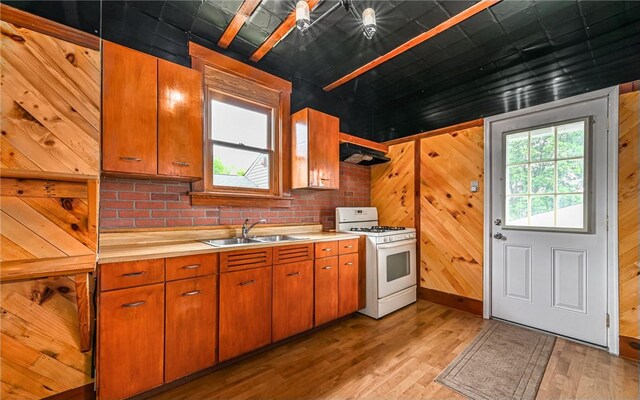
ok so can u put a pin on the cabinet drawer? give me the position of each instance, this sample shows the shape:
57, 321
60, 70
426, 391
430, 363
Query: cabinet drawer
245, 259
348, 246
191, 266
130, 341
292, 253
128, 274
326, 249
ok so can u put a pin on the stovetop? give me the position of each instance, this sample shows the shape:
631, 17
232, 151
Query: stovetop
379, 229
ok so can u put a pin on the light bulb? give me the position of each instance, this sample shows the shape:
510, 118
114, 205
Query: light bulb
369, 22
302, 16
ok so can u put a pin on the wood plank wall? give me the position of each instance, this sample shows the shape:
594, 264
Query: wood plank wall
451, 217
393, 187
50, 164
629, 220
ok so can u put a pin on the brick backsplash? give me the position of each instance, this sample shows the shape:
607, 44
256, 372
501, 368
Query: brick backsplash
136, 203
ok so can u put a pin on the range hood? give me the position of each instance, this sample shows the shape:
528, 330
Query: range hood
354, 154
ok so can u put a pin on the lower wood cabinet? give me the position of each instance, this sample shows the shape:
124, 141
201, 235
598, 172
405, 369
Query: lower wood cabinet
245, 311
130, 341
190, 324
292, 299
347, 284
326, 290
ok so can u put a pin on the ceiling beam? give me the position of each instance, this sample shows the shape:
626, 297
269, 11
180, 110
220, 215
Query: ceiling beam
244, 12
456, 19
280, 33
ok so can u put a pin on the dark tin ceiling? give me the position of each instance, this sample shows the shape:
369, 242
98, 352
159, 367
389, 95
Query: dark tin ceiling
516, 54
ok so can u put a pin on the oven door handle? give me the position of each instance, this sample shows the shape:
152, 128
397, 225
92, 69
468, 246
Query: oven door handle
397, 244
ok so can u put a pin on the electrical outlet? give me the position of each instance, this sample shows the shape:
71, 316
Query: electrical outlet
474, 186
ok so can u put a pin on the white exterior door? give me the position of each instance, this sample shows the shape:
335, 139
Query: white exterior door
549, 204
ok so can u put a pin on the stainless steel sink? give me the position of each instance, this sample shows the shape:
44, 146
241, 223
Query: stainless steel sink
275, 238
238, 241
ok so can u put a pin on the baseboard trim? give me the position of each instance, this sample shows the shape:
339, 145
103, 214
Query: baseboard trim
85, 392
630, 348
461, 303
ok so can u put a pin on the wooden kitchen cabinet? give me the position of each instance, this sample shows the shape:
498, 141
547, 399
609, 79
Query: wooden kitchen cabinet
347, 284
190, 324
245, 311
315, 150
130, 341
179, 121
129, 110
292, 299
326, 290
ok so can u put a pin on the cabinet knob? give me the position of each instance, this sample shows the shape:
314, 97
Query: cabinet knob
348, 247
293, 274
181, 163
327, 249
194, 266
245, 283
348, 263
327, 267
191, 293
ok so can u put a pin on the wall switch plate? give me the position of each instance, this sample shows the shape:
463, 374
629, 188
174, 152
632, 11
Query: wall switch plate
474, 186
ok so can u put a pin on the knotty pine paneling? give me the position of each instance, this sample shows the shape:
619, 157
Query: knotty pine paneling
451, 217
40, 339
628, 215
393, 186
50, 104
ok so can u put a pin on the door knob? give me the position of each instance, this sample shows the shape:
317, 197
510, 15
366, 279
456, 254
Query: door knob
498, 236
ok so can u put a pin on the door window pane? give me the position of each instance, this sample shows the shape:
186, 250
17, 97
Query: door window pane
545, 177
397, 266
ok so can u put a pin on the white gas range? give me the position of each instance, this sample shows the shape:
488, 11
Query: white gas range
390, 260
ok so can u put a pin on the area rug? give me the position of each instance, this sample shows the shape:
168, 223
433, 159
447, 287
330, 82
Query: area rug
503, 362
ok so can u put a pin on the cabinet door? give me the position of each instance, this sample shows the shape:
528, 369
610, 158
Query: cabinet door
179, 120
324, 151
129, 110
326, 290
292, 299
130, 341
245, 311
348, 284
190, 322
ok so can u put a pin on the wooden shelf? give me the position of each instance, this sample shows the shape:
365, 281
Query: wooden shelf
45, 267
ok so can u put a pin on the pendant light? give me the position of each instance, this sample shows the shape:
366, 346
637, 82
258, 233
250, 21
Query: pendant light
367, 21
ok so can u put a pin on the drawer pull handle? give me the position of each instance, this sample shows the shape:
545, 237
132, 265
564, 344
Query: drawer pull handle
181, 163
325, 179
134, 304
194, 266
192, 293
133, 159
327, 267
348, 247
327, 249
349, 263
245, 283
293, 274
134, 274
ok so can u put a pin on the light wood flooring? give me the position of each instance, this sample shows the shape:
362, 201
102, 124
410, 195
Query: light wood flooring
399, 357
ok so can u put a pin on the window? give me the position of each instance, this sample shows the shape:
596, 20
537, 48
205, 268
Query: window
546, 179
241, 144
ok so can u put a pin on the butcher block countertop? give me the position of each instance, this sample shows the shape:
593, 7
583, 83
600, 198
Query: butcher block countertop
136, 245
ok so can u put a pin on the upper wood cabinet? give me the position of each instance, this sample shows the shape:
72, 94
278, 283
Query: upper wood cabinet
315, 150
152, 115
179, 120
129, 118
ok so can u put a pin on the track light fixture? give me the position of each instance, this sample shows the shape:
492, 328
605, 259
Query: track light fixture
367, 21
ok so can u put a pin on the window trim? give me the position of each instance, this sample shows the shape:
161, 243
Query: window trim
232, 78
587, 193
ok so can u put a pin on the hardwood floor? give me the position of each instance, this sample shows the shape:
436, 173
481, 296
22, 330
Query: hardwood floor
398, 357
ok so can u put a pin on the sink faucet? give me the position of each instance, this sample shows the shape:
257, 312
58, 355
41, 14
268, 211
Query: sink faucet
245, 230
